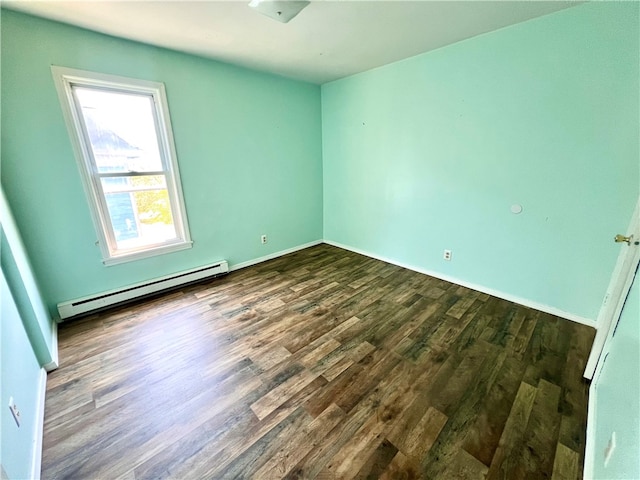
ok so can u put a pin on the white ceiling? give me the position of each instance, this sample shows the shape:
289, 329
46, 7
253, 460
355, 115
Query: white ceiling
326, 41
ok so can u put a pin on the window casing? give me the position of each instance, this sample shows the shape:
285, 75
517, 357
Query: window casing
121, 134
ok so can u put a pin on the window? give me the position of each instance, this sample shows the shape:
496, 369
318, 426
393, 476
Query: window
121, 134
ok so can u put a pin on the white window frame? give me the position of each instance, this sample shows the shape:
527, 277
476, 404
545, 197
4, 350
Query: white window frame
65, 79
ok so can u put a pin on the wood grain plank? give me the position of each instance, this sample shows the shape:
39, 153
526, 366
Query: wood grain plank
377, 461
421, 438
466, 466
401, 467
483, 437
294, 447
505, 460
542, 431
280, 394
566, 463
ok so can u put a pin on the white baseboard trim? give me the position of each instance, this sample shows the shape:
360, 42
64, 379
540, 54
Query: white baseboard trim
490, 291
271, 256
36, 461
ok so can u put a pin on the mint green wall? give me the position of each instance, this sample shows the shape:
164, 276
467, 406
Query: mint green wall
40, 330
618, 397
21, 378
248, 144
16, 267
429, 154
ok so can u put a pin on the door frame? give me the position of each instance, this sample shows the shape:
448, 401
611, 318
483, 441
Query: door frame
620, 284
614, 299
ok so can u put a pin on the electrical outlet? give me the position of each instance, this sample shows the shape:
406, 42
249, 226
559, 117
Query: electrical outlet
263, 239
14, 411
447, 255
611, 446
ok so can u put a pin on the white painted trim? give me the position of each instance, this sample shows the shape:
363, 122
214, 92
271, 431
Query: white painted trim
53, 364
490, 291
147, 253
36, 461
590, 445
271, 256
615, 297
608, 318
590, 454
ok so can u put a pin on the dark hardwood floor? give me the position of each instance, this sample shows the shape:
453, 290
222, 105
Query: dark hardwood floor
320, 364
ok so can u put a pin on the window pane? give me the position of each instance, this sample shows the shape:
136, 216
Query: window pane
121, 130
139, 210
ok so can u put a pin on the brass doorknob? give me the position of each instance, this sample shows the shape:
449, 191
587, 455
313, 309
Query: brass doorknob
621, 238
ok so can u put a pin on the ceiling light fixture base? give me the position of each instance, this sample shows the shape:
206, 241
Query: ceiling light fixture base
280, 10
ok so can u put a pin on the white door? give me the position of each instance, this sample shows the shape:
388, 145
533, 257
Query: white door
617, 292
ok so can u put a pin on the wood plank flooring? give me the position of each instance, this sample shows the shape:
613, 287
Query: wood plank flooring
320, 364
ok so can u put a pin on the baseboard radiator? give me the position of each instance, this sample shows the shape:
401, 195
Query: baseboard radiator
106, 299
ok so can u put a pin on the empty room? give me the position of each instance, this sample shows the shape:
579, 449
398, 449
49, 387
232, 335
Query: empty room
325, 239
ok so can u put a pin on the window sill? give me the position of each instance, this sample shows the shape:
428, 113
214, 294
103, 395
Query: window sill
152, 252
